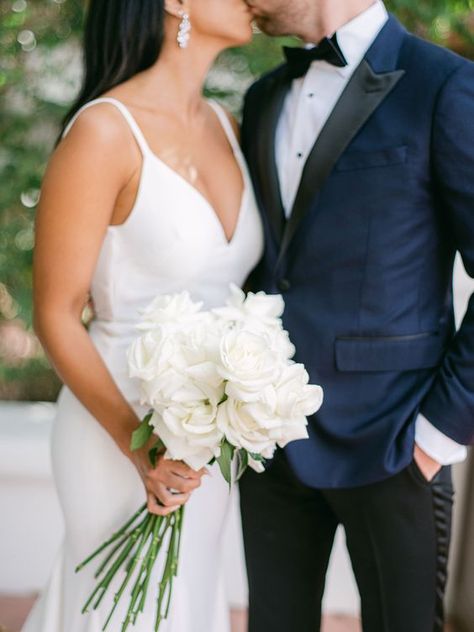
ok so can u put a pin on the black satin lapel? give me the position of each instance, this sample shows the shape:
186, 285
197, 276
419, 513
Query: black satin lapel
363, 94
267, 167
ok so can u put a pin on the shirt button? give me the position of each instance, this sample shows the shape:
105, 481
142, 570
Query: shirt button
299, 155
311, 95
284, 285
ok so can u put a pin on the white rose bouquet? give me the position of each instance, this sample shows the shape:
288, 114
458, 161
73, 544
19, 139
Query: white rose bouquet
221, 386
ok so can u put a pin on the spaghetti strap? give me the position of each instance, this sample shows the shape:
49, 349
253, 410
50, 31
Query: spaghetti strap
134, 127
226, 124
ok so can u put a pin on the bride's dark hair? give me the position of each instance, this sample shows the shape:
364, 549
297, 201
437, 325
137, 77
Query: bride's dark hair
121, 38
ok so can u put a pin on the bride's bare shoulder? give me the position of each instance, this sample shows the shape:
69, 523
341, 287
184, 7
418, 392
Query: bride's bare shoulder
98, 123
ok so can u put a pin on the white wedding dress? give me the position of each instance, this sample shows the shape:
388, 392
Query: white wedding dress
172, 241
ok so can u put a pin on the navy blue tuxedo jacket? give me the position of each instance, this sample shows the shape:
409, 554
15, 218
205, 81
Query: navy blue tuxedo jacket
365, 262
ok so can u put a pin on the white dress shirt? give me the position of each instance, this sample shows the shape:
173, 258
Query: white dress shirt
307, 108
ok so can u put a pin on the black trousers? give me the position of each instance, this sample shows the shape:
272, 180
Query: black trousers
397, 533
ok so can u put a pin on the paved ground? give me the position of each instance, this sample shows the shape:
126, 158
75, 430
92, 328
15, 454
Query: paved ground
13, 611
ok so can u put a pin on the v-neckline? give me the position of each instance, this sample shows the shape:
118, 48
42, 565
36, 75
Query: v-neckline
199, 195
229, 241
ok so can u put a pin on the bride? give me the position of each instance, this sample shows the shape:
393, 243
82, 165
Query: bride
146, 193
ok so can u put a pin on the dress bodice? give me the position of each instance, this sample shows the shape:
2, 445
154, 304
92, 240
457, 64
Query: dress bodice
172, 241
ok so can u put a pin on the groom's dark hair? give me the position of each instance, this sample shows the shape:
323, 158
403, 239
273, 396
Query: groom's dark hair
121, 38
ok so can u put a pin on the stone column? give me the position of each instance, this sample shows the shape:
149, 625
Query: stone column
460, 598
461, 592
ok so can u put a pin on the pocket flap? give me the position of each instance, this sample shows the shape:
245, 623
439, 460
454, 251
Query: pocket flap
389, 353
370, 159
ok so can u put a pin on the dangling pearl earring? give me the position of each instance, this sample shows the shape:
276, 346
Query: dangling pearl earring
184, 31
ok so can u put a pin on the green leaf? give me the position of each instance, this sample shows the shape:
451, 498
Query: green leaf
243, 463
142, 434
225, 460
156, 450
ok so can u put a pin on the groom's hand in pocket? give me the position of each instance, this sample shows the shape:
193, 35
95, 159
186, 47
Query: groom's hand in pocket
427, 465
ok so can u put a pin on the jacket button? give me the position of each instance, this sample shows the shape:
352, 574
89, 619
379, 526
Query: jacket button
283, 285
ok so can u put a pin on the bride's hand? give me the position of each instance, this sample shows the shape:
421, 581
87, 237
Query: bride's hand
169, 485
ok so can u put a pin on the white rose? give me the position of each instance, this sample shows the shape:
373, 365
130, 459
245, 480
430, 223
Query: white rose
259, 313
199, 342
283, 408
261, 307
276, 417
195, 383
169, 309
257, 466
161, 389
247, 362
280, 343
278, 430
188, 427
150, 354
237, 422
295, 397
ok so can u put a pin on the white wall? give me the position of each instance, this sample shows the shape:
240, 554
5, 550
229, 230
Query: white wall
31, 523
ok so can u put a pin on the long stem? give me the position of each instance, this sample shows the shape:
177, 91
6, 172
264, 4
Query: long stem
136, 558
129, 543
110, 556
164, 584
173, 561
117, 547
112, 539
158, 535
140, 589
102, 587
180, 532
161, 587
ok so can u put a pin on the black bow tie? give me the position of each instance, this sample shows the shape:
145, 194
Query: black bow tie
300, 59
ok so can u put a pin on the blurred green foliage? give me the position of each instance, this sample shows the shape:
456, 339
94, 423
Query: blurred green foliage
39, 73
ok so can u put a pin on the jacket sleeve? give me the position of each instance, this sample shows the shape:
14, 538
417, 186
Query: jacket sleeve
449, 404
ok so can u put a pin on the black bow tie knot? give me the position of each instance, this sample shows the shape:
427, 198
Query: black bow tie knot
300, 59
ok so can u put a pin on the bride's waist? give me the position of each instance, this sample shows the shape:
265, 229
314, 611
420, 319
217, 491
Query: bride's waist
112, 340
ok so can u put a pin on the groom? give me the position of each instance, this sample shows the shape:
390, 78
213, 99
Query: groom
362, 154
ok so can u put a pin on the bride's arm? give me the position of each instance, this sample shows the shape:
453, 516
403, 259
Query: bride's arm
84, 178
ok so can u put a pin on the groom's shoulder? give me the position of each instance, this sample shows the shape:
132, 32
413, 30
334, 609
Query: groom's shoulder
435, 62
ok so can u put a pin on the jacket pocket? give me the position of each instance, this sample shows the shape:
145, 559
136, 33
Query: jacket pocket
353, 160
389, 353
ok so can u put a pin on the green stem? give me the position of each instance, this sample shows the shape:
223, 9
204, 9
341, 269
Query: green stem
172, 562
158, 535
144, 537
162, 585
180, 532
104, 584
167, 573
139, 586
131, 545
116, 548
112, 539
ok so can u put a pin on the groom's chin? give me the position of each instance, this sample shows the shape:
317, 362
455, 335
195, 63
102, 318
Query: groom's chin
268, 26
